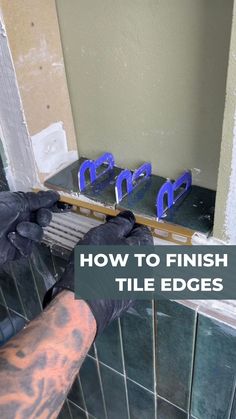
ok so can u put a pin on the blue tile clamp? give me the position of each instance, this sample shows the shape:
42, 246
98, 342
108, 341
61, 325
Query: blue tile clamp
131, 180
91, 167
169, 190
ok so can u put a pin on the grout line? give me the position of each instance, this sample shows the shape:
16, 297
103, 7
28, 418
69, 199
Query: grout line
55, 274
100, 381
124, 369
82, 394
7, 310
122, 375
68, 405
232, 400
18, 292
189, 405
35, 284
107, 366
3, 297
74, 404
18, 314
173, 404
140, 385
154, 342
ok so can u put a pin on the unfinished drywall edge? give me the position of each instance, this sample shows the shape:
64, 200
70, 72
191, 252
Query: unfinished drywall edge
20, 167
225, 210
34, 39
230, 213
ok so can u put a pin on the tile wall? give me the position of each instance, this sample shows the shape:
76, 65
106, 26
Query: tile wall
162, 360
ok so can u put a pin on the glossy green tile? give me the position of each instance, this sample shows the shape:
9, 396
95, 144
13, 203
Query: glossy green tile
65, 412
141, 402
1, 297
109, 348
76, 412
138, 343
92, 351
233, 409
175, 340
9, 289
59, 265
6, 327
75, 394
214, 369
166, 410
18, 321
114, 393
26, 285
42, 268
91, 388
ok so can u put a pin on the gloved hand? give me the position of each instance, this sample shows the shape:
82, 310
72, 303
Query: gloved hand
22, 216
118, 230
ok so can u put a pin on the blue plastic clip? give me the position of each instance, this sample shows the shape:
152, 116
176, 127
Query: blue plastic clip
91, 166
169, 189
131, 180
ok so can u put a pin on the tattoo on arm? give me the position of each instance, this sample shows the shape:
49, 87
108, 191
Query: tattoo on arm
38, 366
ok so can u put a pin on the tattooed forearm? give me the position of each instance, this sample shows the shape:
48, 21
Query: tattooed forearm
38, 366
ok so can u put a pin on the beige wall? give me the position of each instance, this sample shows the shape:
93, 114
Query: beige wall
147, 80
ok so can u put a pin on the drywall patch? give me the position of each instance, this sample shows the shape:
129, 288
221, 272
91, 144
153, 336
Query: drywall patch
50, 148
230, 215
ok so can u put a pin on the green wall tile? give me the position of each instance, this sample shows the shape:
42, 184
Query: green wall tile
166, 410
26, 285
91, 388
75, 394
109, 347
114, 393
138, 343
175, 340
76, 412
42, 268
6, 326
59, 265
9, 289
65, 412
233, 409
1, 297
214, 369
141, 402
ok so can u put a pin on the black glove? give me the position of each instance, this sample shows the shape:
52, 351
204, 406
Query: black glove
118, 230
22, 216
